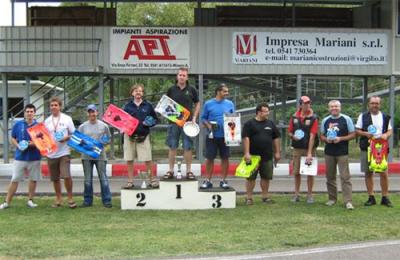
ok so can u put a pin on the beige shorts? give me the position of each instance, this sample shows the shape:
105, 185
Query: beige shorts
140, 151
59, 167
297, 154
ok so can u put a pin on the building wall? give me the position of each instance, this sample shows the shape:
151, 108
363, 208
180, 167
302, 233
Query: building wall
86, 49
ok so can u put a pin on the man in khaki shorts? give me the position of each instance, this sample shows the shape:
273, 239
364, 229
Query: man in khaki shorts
138, 144
27, 158
303, 130
59, 162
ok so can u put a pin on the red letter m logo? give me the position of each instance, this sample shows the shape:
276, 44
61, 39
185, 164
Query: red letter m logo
246, 44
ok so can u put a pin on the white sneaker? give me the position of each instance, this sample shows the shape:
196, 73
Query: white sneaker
330, 203
4, 205
31, 204
310, 199
349, 206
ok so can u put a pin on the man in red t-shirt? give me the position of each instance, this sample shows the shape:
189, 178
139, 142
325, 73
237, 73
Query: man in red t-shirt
303, 130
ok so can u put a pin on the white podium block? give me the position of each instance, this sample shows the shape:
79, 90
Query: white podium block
177, 195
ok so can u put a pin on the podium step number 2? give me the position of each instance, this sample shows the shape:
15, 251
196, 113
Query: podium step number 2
178, 194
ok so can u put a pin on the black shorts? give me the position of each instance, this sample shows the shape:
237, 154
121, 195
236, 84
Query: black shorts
265, 169
214, 145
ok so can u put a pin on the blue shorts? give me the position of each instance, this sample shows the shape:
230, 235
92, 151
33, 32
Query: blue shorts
174, 132
214, 145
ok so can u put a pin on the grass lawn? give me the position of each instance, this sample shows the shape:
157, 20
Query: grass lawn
98, 232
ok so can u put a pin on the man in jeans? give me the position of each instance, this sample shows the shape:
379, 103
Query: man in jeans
27, 158
213, 112
99, 131
336, 131
187, 96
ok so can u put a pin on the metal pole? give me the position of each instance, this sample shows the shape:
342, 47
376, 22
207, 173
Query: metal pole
298, 87
28, 91
391, 112
199, 150
101, 94
13, 13
365, 93
5, 118
112, 150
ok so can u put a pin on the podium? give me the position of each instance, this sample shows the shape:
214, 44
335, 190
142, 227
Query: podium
177, 194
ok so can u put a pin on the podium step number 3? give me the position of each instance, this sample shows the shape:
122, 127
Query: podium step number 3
178, 194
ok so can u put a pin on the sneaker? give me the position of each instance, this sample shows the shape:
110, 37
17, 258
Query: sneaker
310, 199
224, 184
84, 205
249, 202
385, 201
349, 206
330, 203
206, 185
295, 198
4, 205
108, 205
267, 200
31, 204
371, 201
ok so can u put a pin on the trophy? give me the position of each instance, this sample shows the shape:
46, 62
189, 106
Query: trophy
214, 127
179, 164
299, 134
143, 176
23, 145
59, 136
331, 134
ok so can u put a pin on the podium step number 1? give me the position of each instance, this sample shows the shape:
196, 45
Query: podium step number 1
177, 194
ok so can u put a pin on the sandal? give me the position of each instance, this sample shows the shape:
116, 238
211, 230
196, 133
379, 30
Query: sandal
154, 184
169, 175
72, 205
190, 176
56, 205
128, 185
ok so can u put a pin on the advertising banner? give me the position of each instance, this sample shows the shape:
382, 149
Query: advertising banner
309, 48
149, 48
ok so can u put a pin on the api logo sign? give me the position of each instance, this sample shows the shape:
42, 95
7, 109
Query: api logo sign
246, 44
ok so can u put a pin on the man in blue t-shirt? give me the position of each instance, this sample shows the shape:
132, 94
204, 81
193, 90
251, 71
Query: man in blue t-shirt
27, 158
336, 131
212, 118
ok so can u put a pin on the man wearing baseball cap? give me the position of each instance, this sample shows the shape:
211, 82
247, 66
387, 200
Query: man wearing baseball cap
99, 131
303, 130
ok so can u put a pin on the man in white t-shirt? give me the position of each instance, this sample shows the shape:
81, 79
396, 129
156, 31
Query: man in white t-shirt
382, 127
59, 162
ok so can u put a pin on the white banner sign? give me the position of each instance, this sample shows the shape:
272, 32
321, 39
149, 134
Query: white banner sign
309, 48
149, 48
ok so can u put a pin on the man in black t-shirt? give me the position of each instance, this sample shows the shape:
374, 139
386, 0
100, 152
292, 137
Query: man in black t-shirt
261, 137
188, 97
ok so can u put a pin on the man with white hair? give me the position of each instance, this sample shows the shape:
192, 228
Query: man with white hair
336, 131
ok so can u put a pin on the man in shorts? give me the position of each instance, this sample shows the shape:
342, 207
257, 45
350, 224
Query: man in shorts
98, 130
305, 121
187, 96
27, 158
61, 127
138, 145
212, 118
261, 137
381, 122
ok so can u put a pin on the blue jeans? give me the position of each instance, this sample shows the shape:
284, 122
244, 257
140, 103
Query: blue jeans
174, 133
88, 190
